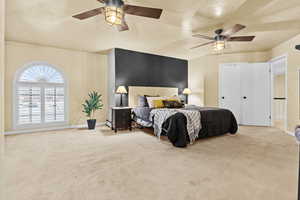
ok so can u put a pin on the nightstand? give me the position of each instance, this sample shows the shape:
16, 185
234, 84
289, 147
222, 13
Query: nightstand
121, 118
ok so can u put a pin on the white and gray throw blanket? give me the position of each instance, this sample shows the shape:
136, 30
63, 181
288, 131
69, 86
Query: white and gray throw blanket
193, 117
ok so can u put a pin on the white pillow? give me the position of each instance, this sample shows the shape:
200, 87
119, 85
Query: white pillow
151, 99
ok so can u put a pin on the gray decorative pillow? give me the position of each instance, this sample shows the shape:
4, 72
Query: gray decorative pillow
143, 101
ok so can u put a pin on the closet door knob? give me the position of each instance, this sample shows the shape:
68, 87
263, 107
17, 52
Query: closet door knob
223, 97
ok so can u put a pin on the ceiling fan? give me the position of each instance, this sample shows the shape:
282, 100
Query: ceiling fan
115, 10
223, 36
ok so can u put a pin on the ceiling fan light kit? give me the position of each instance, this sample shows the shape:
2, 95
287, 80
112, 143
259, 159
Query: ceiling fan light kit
219, 45
114, 12
113, 15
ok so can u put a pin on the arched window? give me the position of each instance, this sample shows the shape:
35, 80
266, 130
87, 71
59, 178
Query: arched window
40, 96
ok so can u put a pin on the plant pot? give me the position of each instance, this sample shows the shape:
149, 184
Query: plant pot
91, 124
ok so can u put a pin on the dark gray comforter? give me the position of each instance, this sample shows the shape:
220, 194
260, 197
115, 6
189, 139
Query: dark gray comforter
214, 121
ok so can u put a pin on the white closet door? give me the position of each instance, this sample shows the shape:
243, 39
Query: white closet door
229, 87
255, 94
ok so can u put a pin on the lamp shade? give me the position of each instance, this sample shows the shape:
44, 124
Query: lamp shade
121, 90
187, 91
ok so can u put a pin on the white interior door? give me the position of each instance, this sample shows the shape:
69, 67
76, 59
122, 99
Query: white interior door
255, 94
229, 87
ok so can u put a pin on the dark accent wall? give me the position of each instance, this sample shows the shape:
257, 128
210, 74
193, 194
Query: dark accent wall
141, 69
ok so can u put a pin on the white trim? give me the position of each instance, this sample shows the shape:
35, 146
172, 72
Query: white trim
17, 132
285, 57
290, 133
298, 90
15, 86
28, 65
279, 57
286, 92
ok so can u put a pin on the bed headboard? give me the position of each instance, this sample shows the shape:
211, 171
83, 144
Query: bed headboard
135, 91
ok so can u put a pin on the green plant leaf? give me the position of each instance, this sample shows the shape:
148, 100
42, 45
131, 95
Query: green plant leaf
92, 104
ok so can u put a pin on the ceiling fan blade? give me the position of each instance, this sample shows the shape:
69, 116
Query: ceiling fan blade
89, 14
241, 39
204, 37
123, 26
236, 28
201, 45
143, 11
101, 1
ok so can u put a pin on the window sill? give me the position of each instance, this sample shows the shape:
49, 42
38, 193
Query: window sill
40, 126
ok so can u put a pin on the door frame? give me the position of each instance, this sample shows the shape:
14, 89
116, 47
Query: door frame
285, 57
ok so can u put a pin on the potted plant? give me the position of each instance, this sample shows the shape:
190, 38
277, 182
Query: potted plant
90, 106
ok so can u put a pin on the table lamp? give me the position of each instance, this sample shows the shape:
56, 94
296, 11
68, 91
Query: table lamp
187, 92
121, 90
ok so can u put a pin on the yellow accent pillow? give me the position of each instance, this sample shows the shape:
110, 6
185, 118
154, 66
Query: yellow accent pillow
158, 103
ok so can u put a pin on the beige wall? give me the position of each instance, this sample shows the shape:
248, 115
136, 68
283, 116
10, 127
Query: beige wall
196, 84
2, 32
207, 68
84, 72
288, 48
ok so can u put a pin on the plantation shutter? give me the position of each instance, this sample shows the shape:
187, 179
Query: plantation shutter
54, 104
29, 105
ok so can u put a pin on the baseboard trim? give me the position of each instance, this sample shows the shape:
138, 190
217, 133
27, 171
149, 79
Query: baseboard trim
290, 133
17, 132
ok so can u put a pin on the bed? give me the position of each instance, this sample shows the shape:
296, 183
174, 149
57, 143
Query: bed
213, 121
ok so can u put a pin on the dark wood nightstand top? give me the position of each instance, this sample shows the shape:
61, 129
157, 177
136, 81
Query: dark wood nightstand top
121, 108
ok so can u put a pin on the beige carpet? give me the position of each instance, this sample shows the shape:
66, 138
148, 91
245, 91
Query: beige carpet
256, 164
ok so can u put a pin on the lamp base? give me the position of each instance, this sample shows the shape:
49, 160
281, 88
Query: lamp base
121, 102
186, 99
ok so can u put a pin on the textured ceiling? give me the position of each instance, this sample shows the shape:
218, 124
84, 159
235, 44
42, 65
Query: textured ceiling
49, 22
